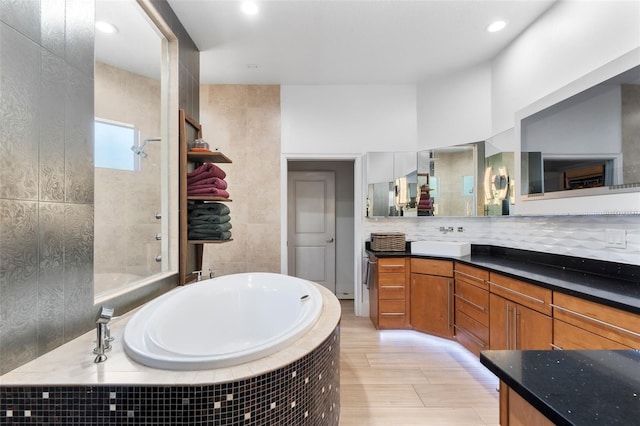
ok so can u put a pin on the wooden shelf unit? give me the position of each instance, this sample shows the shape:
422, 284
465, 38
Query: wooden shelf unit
191, 251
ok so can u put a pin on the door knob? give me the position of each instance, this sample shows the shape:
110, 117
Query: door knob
330, 240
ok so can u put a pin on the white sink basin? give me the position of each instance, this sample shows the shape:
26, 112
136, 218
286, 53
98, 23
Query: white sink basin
441, 248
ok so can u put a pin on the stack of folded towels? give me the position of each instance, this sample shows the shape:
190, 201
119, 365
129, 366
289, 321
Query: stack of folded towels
209, 221
425, 204
207, 180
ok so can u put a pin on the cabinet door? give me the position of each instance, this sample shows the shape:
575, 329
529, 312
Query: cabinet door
513, 326
521, 413
500, 323
432, 305
532, 330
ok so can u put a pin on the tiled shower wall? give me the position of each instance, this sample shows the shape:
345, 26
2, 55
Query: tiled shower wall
580, 236
46, 176
46, 169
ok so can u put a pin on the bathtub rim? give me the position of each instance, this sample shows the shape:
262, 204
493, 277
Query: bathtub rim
72, 363
139, 342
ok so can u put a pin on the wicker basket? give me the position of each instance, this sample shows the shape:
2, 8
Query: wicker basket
391, 241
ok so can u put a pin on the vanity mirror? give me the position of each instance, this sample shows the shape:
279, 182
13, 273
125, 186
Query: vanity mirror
585, 138
474, 179
131, 243
450, 176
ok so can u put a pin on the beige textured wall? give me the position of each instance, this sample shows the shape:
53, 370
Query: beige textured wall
243, 121
126, 201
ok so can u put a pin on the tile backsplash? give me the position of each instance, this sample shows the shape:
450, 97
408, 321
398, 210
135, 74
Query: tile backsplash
579, 236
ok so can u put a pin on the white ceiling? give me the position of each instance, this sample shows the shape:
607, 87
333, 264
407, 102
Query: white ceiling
323, 41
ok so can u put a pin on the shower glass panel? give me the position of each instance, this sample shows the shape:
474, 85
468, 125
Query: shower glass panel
127, 198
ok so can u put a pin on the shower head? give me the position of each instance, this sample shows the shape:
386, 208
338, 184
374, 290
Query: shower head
139, 150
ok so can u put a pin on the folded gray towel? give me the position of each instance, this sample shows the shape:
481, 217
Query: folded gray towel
204, 219
219, 227
199, 235
208, 208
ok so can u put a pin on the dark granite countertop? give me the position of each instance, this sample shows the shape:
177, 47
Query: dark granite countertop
574, 387
613, 284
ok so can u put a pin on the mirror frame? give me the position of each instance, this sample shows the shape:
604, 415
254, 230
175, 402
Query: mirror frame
586, 201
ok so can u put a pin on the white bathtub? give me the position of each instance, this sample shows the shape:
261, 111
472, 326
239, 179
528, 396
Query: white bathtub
222, 322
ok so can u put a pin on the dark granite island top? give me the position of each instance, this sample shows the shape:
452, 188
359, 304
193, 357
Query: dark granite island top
577, 388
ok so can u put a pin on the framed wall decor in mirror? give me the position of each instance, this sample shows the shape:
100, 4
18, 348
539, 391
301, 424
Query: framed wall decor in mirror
584, 141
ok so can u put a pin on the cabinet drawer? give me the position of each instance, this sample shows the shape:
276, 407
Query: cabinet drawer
391, 307
471, 275
529, 295
391, 291
470, 326
443, 268
567, 336
469, 342
391, 264
610, 323
473, 301
392, 321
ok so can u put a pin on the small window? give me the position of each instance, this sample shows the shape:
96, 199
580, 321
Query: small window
113, 145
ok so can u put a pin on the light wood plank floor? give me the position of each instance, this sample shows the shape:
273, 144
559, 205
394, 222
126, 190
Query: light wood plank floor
396, 378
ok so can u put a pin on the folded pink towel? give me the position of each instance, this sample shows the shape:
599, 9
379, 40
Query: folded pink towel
209, 191
212, 169
214, 181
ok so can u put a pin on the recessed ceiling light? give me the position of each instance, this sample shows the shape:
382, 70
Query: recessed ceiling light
496, 26
106, 27
249, 7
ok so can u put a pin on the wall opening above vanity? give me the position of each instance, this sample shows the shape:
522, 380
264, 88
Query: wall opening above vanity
584, 144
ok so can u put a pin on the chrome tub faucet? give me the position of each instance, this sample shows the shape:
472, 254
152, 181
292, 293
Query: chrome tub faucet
103, 332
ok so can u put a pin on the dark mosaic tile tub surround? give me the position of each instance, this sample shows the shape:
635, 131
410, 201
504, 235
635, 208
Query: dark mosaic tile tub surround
306, 392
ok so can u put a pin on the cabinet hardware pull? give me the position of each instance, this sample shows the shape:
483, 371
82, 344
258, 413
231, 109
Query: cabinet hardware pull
515, 327
390, 314
392, 266
449, 304
508, 322
471, 336
470, 276
557, 347
475, 305
535, 299
597, 321
391, 286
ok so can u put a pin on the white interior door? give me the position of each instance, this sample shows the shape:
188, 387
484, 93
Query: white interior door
311, 227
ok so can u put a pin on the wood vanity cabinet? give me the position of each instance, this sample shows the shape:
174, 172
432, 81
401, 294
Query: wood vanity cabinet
471, 318
432, 296
520, 315
388, 293
520, 412
582, 324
